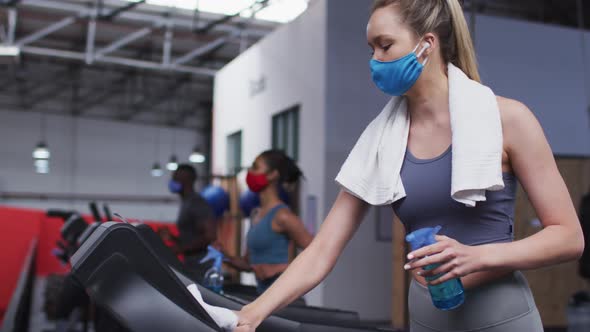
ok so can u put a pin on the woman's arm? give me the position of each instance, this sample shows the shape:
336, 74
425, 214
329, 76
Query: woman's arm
560, 240
289, 223
238, 263
533, 162
312, 265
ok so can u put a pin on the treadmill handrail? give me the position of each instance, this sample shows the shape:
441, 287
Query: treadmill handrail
298, 314
103, 234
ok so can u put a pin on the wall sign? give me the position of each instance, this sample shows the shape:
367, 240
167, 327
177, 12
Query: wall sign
257, 86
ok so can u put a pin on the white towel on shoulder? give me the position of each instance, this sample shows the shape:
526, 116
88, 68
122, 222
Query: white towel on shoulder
372, 170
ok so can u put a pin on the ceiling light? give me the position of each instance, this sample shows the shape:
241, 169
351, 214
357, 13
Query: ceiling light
172, 165
197, 156
157, 170
42, 166
41, 151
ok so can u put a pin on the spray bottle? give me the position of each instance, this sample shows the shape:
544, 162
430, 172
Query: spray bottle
450, 294
213, 277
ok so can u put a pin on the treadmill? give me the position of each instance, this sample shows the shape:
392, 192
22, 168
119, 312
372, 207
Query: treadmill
305, 314
129, 278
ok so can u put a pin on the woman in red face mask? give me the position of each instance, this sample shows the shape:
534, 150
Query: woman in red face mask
274, 225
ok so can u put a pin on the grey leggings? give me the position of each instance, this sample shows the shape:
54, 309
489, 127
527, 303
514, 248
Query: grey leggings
504, 305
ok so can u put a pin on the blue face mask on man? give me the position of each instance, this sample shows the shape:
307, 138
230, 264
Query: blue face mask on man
175, 187
398, 76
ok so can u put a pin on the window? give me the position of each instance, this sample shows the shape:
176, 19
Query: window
285, 132
234, 152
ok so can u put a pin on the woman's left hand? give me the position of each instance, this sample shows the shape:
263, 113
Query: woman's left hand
456, 260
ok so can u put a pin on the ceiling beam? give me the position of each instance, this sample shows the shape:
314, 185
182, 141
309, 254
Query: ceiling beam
40, 34
202, 50
178, 21
125, 40
118, 11
141, 64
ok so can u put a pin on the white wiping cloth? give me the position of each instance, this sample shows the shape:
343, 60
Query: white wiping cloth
372, 170
224, 318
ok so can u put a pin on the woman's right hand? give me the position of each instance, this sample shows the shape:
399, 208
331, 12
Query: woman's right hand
245, 323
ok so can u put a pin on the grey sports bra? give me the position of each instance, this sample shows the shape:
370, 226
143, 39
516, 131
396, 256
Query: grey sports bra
428, 203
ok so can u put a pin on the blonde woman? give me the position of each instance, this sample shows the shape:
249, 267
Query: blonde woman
424, 58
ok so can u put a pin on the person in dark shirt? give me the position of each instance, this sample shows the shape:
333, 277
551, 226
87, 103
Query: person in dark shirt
196, 222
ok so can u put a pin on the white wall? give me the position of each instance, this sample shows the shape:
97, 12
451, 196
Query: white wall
90, 157
291, 61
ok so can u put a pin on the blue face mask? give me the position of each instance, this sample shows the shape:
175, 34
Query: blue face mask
175, 187
398, 76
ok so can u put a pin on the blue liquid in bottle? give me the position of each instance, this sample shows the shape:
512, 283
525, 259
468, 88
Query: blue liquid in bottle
213, 279
450, 294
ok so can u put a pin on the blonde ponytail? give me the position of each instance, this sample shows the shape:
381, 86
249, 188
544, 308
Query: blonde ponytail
465, 51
